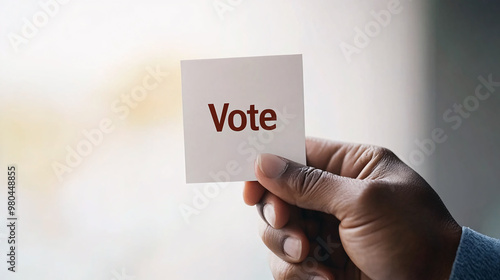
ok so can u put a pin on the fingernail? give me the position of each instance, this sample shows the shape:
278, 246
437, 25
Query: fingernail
317, 277
272, 166
269, 214
293, 248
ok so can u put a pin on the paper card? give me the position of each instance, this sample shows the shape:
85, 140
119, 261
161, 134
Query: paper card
237, 108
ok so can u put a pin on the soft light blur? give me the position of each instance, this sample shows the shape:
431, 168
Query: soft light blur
119, 210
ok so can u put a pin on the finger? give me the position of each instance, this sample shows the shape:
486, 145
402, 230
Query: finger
307, 187
289, 243
348, 159
308, 269
344, 159
253, 192
328, 250
274, 211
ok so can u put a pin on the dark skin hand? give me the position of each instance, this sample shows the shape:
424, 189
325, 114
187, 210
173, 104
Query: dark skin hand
354, 212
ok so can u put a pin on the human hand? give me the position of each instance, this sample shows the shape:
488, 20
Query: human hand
356, 212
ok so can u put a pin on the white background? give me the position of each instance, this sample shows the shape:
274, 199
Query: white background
117, 213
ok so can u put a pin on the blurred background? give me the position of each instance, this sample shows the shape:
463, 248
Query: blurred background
389, 73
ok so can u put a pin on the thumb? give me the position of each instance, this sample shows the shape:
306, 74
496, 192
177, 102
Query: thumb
307, 187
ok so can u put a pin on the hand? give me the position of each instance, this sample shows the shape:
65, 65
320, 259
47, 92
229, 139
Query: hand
356, 212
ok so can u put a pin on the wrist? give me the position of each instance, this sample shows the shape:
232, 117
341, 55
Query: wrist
446, 252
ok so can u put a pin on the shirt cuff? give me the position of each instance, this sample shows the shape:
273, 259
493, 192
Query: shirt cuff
478, 257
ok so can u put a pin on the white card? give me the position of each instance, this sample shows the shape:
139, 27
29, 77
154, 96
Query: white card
237, 108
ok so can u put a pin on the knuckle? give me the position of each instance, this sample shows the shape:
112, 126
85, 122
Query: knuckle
272, 238
373, 154
306, 180
382, 153
279, 268
378, 159
289, 272
284, 270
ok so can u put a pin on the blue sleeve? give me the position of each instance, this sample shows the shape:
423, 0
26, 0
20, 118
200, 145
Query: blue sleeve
478, 257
